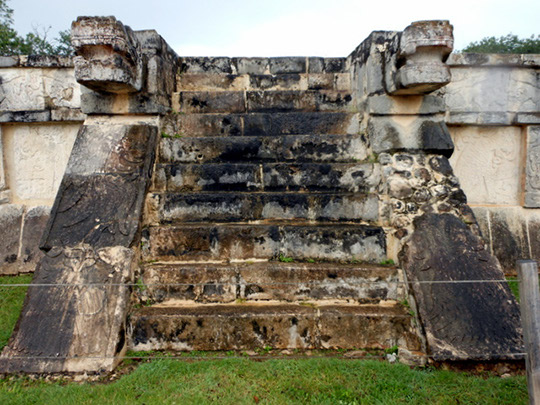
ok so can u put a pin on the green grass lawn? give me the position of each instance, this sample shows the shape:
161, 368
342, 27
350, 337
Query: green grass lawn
245, 381
11, 300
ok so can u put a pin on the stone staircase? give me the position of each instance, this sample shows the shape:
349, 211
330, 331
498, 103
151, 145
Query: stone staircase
262, 224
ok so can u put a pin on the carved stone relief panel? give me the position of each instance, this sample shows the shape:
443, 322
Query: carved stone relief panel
35, 160
487, 161
492, 89
22, 90
532, 171
61, 88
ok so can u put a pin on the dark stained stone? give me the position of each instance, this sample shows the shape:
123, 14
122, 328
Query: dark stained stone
35, 221
73, 317
509, 238
287, 65
101, 210
212, 102
301, 123
101, 195
435, 138
268, 82
462, 321
441, 164
298, 148
206, 65
10, 222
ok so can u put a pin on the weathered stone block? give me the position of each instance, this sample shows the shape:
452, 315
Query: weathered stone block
509, 239
202, 125
289, 81
204, 82
101, 196
362, 243
22, 90
415, 133
11, 224
61, 89
211, 242
206, 65
491, 89
194, 282
321, 177
269, 281
212, 102
213, 207
308, 100
405, 105
493, 176
318, 281
73, 319
35, 221
424, 46
112, 149
287, 65
299, 148
109, 58
252, 66
301, 123
213, 177
35, 158
279, 326
532, 168
464, 319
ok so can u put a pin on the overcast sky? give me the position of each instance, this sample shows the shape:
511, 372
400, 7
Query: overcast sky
283, 27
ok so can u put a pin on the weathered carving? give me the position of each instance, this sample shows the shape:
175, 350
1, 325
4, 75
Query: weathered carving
73, 317
123, 71
463, 320
493, 176
36, 158
423, 48
101, 196
532, 179
109, 57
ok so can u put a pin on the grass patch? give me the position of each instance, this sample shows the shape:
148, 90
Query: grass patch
243, 381
11, 301
513, 283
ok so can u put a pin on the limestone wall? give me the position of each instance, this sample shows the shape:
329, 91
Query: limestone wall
39, 119
493, 114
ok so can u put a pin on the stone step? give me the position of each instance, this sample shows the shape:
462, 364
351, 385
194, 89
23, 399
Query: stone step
311, 177
229, 242
263, 101
297, 148
195, 326
262, 124
245, 82
166, 208
263, 281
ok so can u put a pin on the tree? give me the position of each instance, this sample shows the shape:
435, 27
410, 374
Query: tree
505, 44
34, 43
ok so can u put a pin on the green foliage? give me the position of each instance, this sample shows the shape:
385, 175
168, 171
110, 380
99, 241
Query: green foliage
285, 259
505, 44
34, 43
387, 262
391, 350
